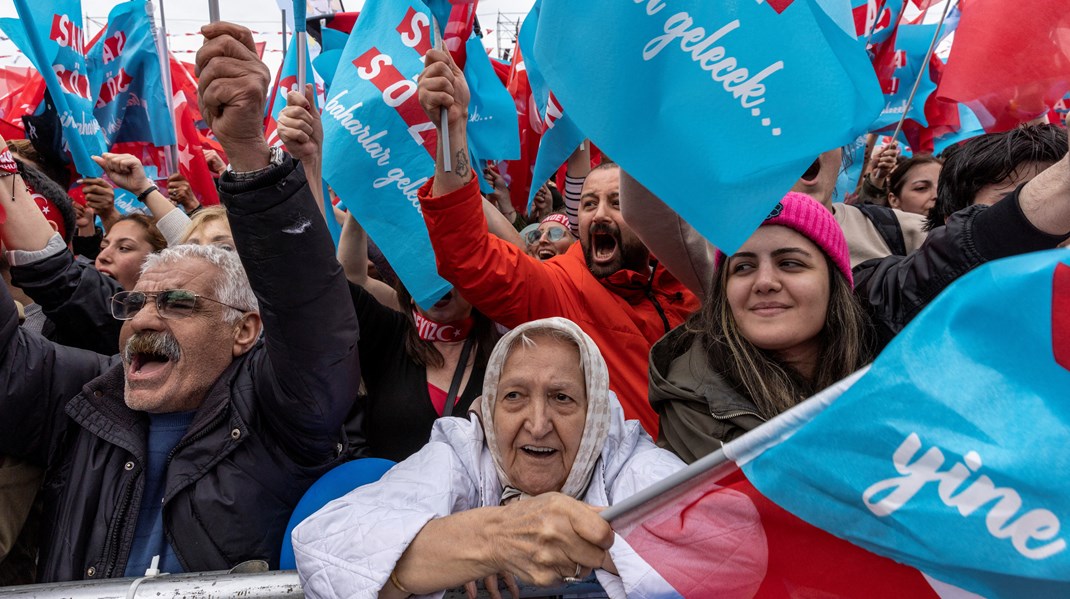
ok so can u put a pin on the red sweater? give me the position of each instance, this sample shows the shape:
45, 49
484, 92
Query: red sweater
620, 312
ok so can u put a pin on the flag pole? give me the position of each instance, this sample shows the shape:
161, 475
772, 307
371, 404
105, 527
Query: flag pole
300, 30
444, 130
171, 151
876, 17
728, 458
921, 71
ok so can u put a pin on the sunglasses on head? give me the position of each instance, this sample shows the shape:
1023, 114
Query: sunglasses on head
555, 234
172, 303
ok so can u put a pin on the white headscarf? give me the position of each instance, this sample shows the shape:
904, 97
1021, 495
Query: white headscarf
596, 425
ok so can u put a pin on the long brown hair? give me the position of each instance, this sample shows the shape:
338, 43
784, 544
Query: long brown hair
484, 333
771, 384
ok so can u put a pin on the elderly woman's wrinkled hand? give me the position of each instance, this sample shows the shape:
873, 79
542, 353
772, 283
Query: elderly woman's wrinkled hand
548, 538
491, 584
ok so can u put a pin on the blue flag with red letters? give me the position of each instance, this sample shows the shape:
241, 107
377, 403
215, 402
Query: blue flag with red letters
716, 107
379, 145
950, 453
898, 64
51, 36
131, 105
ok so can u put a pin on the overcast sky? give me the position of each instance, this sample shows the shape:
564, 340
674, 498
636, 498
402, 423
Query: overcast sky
184, 18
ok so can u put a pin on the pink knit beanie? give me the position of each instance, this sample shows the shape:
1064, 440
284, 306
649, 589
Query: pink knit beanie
807, 216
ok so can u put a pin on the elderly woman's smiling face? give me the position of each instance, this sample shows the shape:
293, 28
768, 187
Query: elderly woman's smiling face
540, 412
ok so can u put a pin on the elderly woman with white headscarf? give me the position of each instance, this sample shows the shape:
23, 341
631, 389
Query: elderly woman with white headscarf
511, 490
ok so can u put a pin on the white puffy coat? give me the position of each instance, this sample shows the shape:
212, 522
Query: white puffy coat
350, 547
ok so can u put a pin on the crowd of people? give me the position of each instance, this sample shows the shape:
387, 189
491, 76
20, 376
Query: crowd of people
173, 381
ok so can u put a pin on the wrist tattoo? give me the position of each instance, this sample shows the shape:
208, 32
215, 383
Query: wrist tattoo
461, 165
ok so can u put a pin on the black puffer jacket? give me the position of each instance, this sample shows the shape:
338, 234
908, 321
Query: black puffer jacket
76, 298
894, 289
268, 428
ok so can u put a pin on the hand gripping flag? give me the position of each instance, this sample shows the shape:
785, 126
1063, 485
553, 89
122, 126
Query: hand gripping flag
379, 144
131, 105
49, 34
717, 107
285, 82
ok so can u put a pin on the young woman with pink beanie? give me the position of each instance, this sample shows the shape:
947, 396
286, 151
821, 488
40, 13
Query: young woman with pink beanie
780, 323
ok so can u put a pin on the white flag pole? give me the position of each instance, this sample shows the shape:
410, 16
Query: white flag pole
726, 460
164, 51
921, 71
444, 130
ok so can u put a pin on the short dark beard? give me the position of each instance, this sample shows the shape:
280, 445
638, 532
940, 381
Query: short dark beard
629, 256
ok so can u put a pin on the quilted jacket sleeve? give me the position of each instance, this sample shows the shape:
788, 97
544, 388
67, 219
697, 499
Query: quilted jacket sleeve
350, 547
311, 374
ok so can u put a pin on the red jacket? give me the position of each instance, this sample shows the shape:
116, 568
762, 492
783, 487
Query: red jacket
624, 313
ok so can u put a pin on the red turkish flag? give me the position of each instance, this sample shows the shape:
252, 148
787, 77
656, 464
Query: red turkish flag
724, 538
1010, 61
191, 162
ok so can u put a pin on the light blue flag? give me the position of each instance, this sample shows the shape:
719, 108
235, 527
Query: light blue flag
371, 123
969, 127
950, 453
287, 83
333, 43
492, 130
50, 35
717, 107
561, 136
847, 180
131, 105
911, 53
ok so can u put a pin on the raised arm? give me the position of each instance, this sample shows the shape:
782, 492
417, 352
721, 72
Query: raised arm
37, 377
495, 276
353, 255
1034, 217
128, 173
577, 168
676, 244
312, 374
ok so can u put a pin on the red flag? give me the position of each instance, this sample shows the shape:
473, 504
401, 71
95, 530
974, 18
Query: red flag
21, 93
191, 160
1010, 62
725, 539
459, 29
518, 172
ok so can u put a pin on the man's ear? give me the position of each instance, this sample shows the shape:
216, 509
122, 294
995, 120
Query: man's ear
246, 332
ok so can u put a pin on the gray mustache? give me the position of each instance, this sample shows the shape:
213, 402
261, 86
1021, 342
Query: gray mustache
162, 344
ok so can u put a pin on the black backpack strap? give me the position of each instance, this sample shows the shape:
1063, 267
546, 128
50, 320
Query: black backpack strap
884, 220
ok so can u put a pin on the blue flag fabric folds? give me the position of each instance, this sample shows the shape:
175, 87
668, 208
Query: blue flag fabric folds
492, 130
561, 136
378, 143
911, 53
949, 455
131, 106
51, 36
717, 107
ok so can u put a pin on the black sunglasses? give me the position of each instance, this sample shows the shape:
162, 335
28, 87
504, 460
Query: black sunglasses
172, 303
555, 233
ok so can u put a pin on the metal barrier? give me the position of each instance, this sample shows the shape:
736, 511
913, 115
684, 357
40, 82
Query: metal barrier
282, 584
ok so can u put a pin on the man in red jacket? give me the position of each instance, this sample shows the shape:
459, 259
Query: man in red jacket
607, 283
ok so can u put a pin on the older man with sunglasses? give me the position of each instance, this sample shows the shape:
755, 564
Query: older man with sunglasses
195, 443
